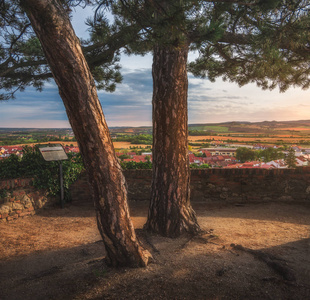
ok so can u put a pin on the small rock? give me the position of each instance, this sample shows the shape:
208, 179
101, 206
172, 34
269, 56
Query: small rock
223, 195
26, 201
210, 186
5, 209
17, 206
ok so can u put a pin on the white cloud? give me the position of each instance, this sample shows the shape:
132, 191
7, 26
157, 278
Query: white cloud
131, 103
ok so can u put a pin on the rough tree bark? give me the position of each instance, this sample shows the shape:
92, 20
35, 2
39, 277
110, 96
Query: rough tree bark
170, 213
78, 92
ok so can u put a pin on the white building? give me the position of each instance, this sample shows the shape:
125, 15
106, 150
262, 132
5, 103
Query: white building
278, 164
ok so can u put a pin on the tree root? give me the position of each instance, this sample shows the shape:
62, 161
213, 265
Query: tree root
198, 238
142, 235
275, 263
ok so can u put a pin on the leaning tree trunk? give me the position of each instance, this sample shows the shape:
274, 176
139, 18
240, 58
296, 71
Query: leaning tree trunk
170, 213
78, 92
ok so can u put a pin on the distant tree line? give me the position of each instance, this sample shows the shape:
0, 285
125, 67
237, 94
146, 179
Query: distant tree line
145, 139
200, 132
13, 140
244, 154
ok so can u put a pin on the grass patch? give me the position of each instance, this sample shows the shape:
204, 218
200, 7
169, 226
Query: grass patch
213, 128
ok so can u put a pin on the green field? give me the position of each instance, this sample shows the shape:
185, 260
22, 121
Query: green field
213, 128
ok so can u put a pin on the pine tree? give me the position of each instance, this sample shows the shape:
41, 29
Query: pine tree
62, 52
266, 42
22, 61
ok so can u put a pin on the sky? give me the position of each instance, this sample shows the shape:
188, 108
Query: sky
130, 104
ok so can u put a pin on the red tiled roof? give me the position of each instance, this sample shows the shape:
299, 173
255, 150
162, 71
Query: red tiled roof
131, 153
265, 166
206, 152
301, 158
236, 166
139, 158
119, 153
191, 157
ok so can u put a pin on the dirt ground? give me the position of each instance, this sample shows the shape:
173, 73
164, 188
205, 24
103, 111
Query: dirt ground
58, 254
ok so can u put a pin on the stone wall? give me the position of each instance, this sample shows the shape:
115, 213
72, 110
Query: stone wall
18, 198
223, 185
250, 185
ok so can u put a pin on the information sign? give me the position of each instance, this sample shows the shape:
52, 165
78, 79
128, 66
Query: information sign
53, 152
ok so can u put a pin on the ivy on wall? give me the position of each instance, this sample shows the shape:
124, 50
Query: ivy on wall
45, 174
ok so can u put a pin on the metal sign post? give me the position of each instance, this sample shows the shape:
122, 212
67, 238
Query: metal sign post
61, 179
55, 152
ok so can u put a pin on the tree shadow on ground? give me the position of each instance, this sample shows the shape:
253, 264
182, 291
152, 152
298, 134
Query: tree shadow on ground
184, 268
272, 211
204, 267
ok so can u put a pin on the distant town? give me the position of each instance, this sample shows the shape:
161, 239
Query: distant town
265, 145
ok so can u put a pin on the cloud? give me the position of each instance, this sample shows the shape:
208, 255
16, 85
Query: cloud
31, 107
131, 104
223, 113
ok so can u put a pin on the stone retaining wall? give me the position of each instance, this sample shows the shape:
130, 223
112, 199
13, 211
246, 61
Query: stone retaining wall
223, 185
18, 198
250, 185
207, 185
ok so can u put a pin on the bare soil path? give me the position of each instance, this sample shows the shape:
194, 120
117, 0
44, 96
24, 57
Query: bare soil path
58, 254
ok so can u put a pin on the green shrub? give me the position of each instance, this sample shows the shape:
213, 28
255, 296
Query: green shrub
45, 174
3, 193
128, 165
203, 166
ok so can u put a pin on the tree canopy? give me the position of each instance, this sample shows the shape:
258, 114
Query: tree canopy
262, 41
22, 62
244, 154
290, 159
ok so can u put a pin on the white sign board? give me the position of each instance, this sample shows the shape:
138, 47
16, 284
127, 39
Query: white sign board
53, 152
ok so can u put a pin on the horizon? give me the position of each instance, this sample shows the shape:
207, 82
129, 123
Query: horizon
189, 124
130, 105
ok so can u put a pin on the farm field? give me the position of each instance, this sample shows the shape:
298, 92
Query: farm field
296, 129
127, 145
274, 128
210, 127
117, 145
285, 139
277, 133
275, 139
